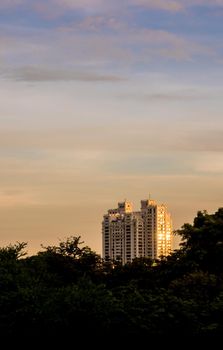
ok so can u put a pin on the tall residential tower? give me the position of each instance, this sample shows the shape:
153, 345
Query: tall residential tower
129, 234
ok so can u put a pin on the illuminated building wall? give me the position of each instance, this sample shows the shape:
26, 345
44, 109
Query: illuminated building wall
127, 234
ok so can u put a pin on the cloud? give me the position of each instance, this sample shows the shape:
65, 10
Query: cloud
81, 3
96, 137
170, 96
11, 3
203, 2
166, 5
96, 23
108, 38
210, 163
58, 7
14, 196
104, 6
41, 74
175, 5
203, 141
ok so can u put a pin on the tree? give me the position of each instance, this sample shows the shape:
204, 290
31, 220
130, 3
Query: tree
12, 252
203, 241
70, 247
84, 258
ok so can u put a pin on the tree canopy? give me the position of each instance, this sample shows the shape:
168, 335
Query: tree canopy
69, 288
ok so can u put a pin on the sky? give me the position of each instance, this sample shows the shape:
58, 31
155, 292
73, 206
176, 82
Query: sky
103, 101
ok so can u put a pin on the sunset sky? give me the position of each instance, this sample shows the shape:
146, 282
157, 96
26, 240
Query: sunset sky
103, 101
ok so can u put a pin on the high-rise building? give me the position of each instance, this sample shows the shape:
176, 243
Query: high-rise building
129, 234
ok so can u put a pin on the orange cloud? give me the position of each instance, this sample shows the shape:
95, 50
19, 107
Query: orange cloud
14, 197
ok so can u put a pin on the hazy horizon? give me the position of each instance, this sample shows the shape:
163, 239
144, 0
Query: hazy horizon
104, 101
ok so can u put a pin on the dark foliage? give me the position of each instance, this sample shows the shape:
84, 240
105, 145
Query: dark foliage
68, 290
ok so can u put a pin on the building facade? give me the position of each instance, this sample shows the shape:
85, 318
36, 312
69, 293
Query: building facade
128, 234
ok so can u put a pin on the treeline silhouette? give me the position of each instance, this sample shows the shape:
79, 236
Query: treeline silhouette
69, 289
